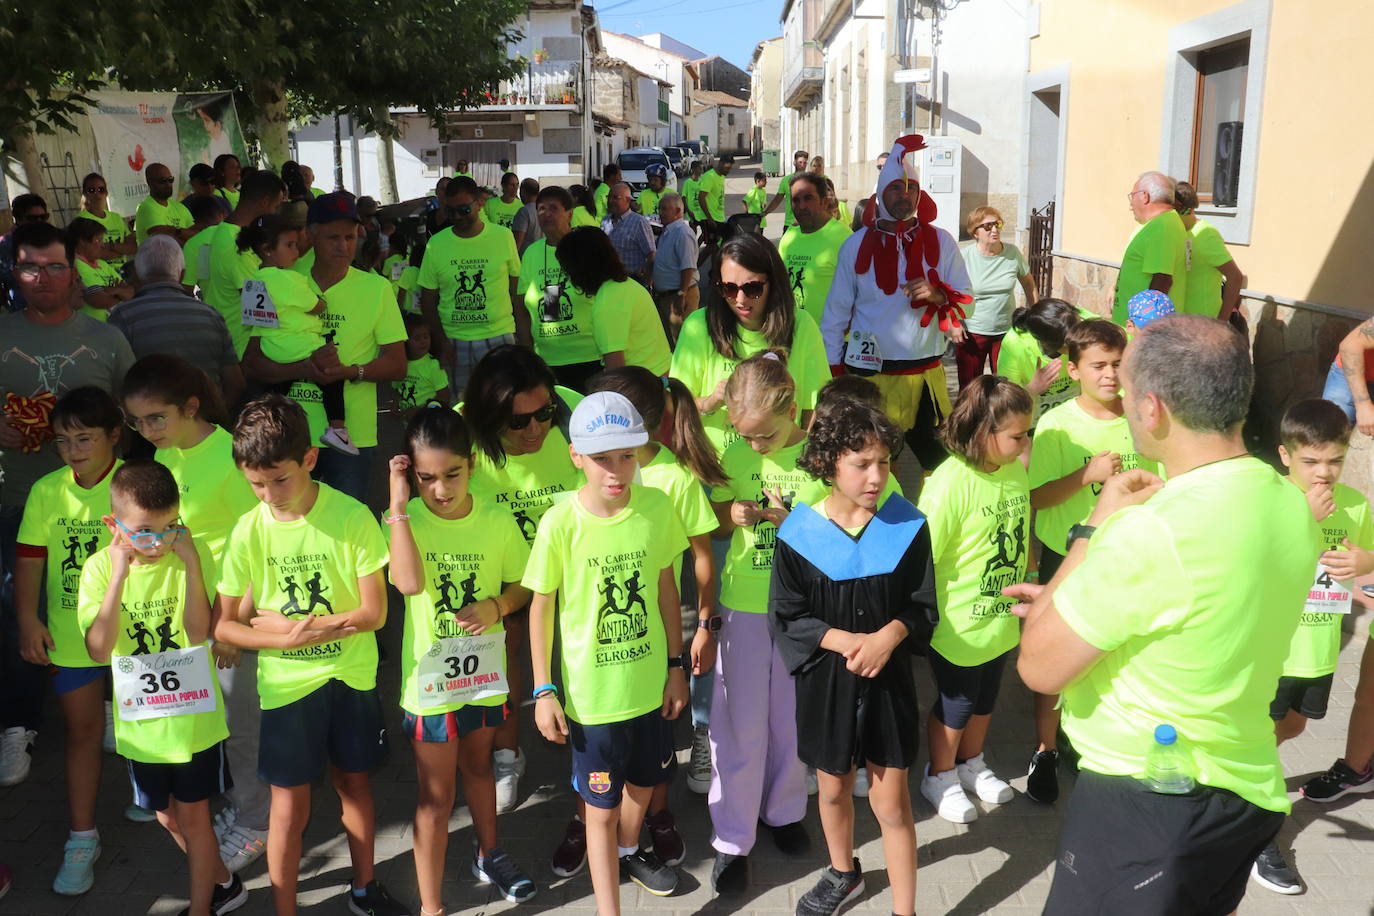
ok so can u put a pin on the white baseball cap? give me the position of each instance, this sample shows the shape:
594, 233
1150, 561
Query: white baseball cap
606, 422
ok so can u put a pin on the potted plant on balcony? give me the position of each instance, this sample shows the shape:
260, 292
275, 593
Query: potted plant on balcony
541, 55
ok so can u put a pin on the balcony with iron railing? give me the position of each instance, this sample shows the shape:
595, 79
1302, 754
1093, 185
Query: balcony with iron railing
545, 85
803, 75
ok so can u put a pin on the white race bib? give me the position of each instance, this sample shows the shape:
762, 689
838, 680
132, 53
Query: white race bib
862, 351
397, 269
1327, 595
460, 669
178, 682
258, 309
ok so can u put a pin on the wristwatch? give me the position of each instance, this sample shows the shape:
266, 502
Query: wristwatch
711, 624
1076, 532
678, 661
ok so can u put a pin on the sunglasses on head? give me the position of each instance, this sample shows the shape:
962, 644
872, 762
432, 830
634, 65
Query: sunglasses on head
752, 290
521, 420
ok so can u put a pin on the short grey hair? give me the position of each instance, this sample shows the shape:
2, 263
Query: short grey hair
159, 258
1159, 186
1199, 367
623, 184
672, 199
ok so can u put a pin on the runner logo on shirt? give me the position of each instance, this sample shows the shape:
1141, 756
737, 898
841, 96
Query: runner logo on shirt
1008, 562
83, 539
522, 503
314, 589
616, 624
150, 640
797, 279
405, 393
454, 583
470, 295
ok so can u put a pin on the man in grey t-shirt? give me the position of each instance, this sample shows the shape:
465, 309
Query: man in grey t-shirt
526, 225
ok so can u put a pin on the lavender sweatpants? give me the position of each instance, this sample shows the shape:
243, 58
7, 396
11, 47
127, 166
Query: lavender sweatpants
755, 773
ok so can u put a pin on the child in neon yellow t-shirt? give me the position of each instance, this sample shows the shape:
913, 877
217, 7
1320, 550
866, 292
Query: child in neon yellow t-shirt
426, 382
1314, 436
146, 614
102, 286
977, 505
601, 570
60, 530
1079, 445
311, 559
756, 197
284, 311
459, 563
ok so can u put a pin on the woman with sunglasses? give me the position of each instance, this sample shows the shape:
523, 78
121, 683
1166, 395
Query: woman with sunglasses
994, 267
753, 310
119, 242
513, 410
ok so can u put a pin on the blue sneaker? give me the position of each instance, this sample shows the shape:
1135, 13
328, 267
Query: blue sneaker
77, 873
500, 871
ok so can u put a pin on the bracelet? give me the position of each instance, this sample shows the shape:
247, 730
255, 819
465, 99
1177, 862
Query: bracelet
393, 519
500, 608
360, 373
544, 690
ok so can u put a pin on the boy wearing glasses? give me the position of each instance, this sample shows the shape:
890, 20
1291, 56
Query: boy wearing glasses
469, 282
302, 582
145, 612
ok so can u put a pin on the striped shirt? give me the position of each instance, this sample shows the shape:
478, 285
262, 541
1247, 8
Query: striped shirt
162, 318
632, 237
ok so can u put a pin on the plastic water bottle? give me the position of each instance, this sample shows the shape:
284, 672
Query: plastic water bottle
1167, 767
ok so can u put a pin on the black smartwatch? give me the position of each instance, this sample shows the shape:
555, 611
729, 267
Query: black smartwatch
678, 661
1076, 532
711, 623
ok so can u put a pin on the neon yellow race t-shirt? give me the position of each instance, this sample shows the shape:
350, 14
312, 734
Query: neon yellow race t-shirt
392, 268
298, 333
1317, 642
214, 493
99, 275
664, 472
1066, 439
65, 519
690, 187
563, 338
473, 279
1194, 632
810, 258
755, 199
625, 319
229, 270
527, 485
1208, 252
116, 230
699, 366
197, 255
581, 216
610, 629
600, 196
307, 566
424, 379
749, 562
464, 561
152, 214
498, 212
152, 619
713, 183
647, 201
1159, 246
979, 539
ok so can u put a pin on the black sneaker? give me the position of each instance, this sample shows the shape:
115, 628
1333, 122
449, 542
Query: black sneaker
791, 839
500, 871
1042, 784
1337, 781
834, 891
225, 899
1271, 871
648, 871
375, 901
730, 874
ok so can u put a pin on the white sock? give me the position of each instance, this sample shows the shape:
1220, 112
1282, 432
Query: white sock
83, 834
628, 850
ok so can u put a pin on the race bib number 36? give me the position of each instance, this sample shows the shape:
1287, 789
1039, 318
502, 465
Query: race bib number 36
257, 306
1327, 595
460, 669
862, 351
178, 682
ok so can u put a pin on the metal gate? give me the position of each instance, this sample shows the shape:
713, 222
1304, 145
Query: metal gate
1042, 248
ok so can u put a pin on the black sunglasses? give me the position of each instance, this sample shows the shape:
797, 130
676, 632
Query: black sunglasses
752, 290
93, 190
521, 420
460, 210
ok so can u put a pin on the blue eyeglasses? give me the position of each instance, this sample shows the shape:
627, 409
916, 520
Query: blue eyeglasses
144, 540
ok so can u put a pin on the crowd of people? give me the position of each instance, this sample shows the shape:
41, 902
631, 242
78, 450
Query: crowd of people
621, 427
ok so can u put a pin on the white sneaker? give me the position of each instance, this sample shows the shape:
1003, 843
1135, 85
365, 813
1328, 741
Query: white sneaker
509, 766
107, 741
947, 796
223, 821
336, 437
699, 768
15, 755
861, 782
812, 787
975, 777
241, 846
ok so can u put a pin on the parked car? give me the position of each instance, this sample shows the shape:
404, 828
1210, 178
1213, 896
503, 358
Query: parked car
632, 163
677, 156
700, 151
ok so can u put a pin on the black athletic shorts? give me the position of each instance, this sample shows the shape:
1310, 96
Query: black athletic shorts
333, 725
203, 777
1127, 851
638, 751
1306, 695
961, 693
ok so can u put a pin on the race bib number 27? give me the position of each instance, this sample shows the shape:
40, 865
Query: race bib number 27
862, 351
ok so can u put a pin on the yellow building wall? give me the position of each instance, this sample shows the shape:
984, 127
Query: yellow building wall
1312, 234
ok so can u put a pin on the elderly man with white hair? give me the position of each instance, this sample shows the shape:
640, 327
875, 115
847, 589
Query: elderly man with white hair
163, 318
675, 266
1157, 255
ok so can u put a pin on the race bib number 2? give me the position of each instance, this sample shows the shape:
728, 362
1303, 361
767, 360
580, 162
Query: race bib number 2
178, 682
258, 309
460, 669
1327, 595
862, 351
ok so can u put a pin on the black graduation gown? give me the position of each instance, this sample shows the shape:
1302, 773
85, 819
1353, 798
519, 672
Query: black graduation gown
824, 578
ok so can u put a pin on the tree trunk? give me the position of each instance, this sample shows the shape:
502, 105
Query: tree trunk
338, 155
270, 98
26, 151
386, 156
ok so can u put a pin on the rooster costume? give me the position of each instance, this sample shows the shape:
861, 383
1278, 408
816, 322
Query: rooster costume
870, 327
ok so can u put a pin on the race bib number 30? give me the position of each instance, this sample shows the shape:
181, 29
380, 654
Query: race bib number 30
460, 669
862, 351
178, 682
257, 306
1327, 595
